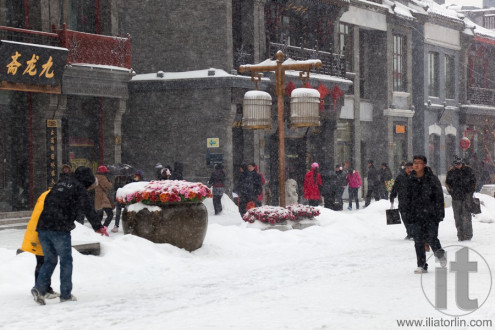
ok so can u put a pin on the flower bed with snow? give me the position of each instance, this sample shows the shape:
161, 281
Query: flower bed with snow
163, 192
295, 216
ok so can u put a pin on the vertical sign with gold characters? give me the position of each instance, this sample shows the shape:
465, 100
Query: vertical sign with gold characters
51, 148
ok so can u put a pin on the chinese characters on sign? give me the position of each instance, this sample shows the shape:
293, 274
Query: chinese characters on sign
31, 64
51, 146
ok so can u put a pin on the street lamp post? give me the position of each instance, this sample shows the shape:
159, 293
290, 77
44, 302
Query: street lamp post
280, 67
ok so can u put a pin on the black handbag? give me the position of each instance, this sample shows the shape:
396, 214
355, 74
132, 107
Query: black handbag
393, 217
475, 206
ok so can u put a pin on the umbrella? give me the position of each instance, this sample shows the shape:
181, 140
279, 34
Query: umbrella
121, 169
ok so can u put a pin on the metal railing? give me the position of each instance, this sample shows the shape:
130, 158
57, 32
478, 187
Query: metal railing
83, 47
478, 95
28, 36
332, 64
95, 48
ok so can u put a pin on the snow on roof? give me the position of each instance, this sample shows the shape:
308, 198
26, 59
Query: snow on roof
100, 66
270, 61
477, 30
398, 9
196, 74
434, 9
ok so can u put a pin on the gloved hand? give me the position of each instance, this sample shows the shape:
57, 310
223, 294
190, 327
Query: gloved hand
102, 231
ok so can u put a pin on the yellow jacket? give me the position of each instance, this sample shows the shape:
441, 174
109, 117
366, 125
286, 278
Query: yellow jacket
31, 242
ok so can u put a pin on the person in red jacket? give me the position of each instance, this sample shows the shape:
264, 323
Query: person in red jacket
354, 182
312, 185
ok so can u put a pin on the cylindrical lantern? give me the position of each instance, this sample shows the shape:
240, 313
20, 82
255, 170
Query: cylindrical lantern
304, 107
256, 110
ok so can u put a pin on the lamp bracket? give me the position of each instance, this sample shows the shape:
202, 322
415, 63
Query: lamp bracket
304, 76
256, 77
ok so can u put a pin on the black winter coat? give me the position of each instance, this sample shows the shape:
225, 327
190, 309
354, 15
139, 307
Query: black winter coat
250, 185
385, 174
424, 198
329, 180
400, 189
373, 177
460, 182
62, 205
217, 178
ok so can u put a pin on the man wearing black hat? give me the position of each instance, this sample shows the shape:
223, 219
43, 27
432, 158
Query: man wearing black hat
56, 221
461, 185
425, 210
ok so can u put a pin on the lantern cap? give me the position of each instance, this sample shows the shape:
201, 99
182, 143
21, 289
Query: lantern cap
253, 95
301, 92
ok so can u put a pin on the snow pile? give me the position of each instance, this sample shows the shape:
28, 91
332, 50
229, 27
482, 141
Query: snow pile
352, 271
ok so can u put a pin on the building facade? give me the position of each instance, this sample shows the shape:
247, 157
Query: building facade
223, 36
63, 91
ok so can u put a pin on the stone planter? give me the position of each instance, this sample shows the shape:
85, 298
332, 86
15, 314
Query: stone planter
183, 225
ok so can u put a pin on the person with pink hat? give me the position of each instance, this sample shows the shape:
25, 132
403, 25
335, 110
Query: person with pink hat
312, 185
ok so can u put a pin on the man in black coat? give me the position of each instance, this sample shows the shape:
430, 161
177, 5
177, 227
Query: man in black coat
328, 191
399, 190
461, 185
374, 184
425, 209
62, 204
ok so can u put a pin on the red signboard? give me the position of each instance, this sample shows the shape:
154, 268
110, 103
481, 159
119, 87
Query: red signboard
464, 143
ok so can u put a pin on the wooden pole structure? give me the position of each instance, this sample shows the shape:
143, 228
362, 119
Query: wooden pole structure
280, 67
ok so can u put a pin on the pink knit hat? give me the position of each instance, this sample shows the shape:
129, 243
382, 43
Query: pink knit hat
314, 165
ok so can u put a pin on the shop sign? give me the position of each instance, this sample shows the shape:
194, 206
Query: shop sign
51, 147
31, 64
464, 143
212, 142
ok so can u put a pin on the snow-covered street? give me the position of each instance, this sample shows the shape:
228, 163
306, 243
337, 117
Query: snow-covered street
350, 272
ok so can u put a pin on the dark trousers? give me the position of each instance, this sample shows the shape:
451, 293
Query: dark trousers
313, 202
329, 200
55, 244
109, 213
406, 223
372, 190
217, 203
243, 200
39, 262
353, 195
463, 219
426, 231
118, 212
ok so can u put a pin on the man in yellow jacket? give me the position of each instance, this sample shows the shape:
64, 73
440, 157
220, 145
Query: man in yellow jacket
32, 244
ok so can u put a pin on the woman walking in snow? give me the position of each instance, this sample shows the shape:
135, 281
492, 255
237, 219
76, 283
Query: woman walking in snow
354, 182
217, 180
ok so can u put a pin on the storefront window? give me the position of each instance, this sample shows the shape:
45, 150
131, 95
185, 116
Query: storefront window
343, 151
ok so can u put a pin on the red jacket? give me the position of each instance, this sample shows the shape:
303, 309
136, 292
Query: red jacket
311, 188
354, 180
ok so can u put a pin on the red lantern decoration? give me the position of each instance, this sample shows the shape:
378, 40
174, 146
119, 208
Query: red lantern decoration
464, 143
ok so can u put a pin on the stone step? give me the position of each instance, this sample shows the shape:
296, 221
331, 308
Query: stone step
14, 223
87, 248
15, 214
13, 226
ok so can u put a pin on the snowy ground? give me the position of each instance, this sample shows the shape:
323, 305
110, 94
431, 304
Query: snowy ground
351, 272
